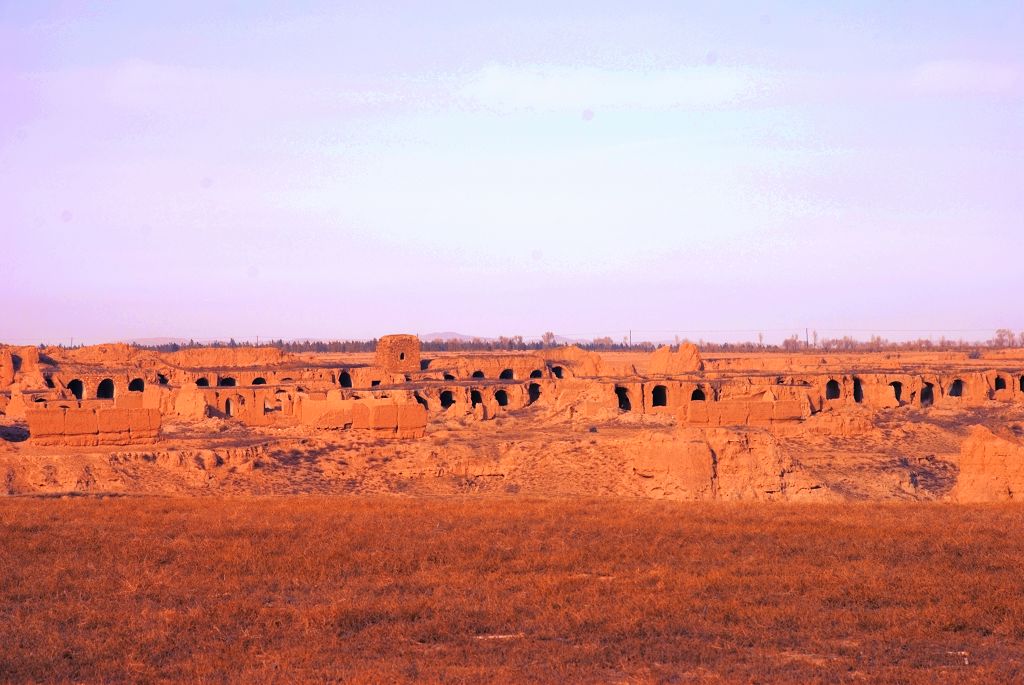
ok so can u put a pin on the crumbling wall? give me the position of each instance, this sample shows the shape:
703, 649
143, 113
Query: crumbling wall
86, 427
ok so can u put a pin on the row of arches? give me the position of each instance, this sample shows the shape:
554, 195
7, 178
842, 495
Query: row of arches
659, 396
447, 397
509, 374
104, 389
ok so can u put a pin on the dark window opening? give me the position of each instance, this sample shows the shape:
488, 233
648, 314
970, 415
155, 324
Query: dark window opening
401, 356
536, 373
76, 387
161, 379
260, 380
39, 399
501, 397
697, 395
832, 390
49, 380
659, 396
227, 382
897, 390
345, 379
623, 395
202, 382
557, 371
506, 375
421, 400
374, 384
1022, 383
1000, 383
449, 377
105, 390
229, 408
424, 364
533, 392
927, 395
447, 399
137, 385
858, 390
957, 389
478, 374
475, 397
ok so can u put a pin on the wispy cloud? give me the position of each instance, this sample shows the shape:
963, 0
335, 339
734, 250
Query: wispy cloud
568, 88
965, 77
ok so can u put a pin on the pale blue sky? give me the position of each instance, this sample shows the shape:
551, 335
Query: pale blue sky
324, 171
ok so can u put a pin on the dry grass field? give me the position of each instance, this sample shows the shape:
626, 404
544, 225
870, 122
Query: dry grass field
306, 589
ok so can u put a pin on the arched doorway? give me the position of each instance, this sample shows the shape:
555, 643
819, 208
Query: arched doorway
77, 388
259, 380
203, 382
858, 390
957, 389
137, 385
1000, 383
697, 395
832, 390
345, 379
475, 397
659, 396
105, 390
533, 392
557, 371
229, 408
927, 395
501, 397
447, 399
506, 375
226, 382
623, 395
897, 390
478, 374
536, 373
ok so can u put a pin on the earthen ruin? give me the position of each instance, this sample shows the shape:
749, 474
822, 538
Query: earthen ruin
681, 425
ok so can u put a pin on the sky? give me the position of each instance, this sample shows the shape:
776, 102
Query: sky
346, 170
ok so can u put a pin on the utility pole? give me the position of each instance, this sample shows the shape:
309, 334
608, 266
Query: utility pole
807, 340
630, 338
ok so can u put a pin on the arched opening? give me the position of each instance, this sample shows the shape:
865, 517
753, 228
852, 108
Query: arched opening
161, 379
659, 396
226, 382
39, 399
137, 385
697, 395
105, 390
858, 390
536, 373
449, 377
229, 408
76, 387
1000, 383
421, 400
832, 390
259, 380
623, 395
401, 356
957, 389
447, 399
478, 374
927, 395
533, 392
506, 375
475, 397
203, 382
345, 379
501, 397
897, 390
557, 371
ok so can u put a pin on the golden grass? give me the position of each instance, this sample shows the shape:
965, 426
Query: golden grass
309, 589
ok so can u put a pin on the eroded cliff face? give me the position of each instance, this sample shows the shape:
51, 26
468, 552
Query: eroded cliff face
991, 467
